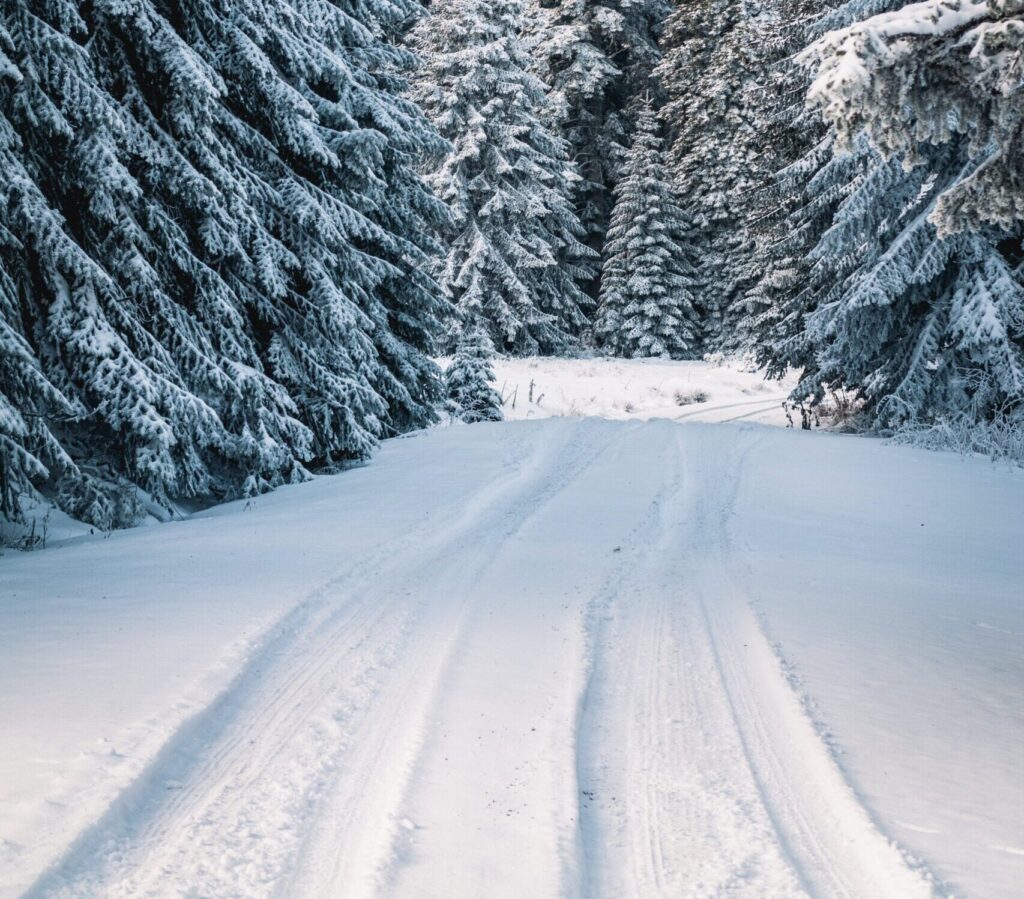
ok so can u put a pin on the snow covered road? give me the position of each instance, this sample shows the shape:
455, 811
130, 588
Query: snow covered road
520, 660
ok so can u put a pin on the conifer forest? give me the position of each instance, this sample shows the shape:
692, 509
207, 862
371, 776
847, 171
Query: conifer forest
234, 235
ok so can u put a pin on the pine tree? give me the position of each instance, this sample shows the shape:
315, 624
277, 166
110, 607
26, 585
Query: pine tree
97, 317
703, 73
802, 198
468, 380
647, 307
919, 320
515, 258
917, 325
29, 451
336, 228
724, 75
811, 182
956, 71
222, 244
597, 56
795, 281
780, 223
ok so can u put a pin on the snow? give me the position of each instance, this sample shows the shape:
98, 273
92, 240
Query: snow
723, 390
910, 643
842, 69
562, 657
42, 525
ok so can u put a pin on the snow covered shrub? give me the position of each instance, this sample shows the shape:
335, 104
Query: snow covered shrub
99, 502
838, 409
471, 398
1002, 438
690, 397
29, 533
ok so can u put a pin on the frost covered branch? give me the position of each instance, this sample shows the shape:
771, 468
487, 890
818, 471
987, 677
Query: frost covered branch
931, 73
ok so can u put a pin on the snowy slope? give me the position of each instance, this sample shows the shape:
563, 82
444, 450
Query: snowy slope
530, 659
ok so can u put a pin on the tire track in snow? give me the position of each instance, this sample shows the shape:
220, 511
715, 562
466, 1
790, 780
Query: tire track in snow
196, 813
492, 803
593, 837
757, 413
827, 833
700, 775
200, 744
340, 856
667, 806
697, 772
705, 410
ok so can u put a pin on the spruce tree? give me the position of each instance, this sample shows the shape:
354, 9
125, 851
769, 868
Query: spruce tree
781, 227
647, 306
918, 320
515, 259
317, 146
954, 70
597, 56
98, 316
811, 182
740, 136
773, 328
710, 50
918, 325
468, 380
222, 251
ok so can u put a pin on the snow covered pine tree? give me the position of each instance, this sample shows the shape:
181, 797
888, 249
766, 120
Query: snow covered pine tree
647, 306
94, 313
597, 57
710, 50
801, 195
471, 398
928, 320
329, 240
515, 259
220, 272
781, 224
30, 452
971, 55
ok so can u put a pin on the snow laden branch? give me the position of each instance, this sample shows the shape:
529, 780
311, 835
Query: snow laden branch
933, 73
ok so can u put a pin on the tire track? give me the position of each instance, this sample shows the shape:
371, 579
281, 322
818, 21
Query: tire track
205, 795
700, 414
700, 775
610, 661
339, 856
827, 834
491, 808
668, 807
697, 772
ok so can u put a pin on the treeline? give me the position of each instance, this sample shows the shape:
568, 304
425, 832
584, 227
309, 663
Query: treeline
232, 233
830, 187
